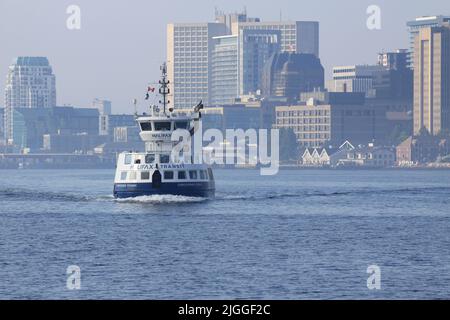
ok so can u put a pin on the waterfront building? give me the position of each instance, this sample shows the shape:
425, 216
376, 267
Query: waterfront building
432, 80
422, 149
30, 124
189, 53
126, 134
104, 110
119, 121
30, 83
414, 26
238, 61
289, 74
317, 125
80, 143
315, 157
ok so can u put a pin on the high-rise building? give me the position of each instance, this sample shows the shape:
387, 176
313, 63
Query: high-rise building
396, 81
296, 36
229, 18
357, 78
238, 62
225, 70
287, 75
394, 60
189, 53
30, 83
432, 80
422, 22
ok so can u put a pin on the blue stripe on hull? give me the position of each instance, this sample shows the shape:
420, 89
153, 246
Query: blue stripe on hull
197, 189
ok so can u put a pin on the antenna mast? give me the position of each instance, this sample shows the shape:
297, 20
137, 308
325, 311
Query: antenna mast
164, 88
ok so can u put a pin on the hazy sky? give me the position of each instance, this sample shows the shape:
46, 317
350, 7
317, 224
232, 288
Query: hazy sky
122, 43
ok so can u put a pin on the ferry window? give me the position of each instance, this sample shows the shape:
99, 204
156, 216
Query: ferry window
164, 158
193, 174
150, 158
123, 175
145, 175
128, 159
202, 174
182, 175
132, 175
146, 126
162, 126
181, 125
210, 174
168, 175
137, 161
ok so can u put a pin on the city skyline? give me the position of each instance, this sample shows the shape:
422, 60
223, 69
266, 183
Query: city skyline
93, 49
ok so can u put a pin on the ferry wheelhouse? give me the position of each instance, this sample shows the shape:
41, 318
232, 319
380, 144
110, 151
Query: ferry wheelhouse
157, 171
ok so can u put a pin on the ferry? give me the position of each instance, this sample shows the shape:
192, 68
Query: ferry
156, 171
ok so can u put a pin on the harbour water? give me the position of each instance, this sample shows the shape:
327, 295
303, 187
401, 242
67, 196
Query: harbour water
302, 234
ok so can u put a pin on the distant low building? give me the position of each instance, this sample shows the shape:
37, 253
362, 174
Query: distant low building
126, 134
71, 143
369, 156
348, 155
318, 125
317, 157
422, 149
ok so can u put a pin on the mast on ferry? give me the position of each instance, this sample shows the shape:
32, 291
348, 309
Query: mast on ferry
164, 87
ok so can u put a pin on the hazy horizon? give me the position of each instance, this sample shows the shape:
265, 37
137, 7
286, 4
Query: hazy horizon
120, 45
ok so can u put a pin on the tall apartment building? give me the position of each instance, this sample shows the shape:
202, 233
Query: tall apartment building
296, 36
189, 53
432, 80
30, 83
238, 62
414, 27
225, 70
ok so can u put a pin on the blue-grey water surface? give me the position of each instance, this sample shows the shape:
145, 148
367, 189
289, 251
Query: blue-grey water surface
302, 234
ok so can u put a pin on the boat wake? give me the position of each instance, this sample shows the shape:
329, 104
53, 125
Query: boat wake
161, 199
21, 194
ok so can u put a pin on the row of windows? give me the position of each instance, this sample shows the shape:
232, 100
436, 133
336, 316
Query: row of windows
302, 113
164, 125
167, 175
302, 120
149, 158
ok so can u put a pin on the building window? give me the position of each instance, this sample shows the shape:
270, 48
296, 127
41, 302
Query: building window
193, 174
168, 175
182, 175
145, 175
164, 158
146, 126
150, 158
128, 159
162, 126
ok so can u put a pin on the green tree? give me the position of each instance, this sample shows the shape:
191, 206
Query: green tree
289, 146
